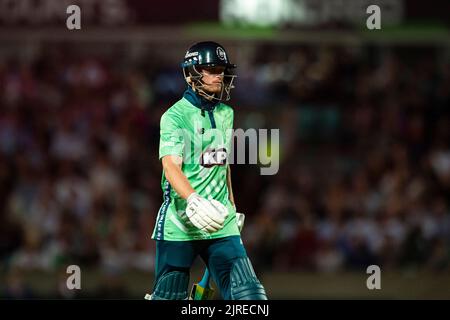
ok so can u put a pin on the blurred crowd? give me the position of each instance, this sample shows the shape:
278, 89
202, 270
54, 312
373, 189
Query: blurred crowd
364, 174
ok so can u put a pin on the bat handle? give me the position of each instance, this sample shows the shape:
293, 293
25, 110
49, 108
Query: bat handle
206, 278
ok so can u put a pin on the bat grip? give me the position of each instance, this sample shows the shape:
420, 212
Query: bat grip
205, 280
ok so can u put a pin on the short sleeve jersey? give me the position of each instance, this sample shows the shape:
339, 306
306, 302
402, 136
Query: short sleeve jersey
203, 140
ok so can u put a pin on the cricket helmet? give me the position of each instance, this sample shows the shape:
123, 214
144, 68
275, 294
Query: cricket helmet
208, 54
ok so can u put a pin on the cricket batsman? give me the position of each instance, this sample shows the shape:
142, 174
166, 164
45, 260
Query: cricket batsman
198, 214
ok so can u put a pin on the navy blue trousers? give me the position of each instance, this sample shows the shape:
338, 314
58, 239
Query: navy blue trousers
218, 254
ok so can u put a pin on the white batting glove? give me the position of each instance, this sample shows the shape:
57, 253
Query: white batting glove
205, 215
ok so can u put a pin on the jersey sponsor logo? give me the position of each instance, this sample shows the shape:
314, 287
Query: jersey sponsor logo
221, 53
213, 157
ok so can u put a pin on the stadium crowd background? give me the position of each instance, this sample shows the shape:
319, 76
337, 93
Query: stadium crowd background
364, 158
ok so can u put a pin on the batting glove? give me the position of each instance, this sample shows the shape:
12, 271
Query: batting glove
204, 214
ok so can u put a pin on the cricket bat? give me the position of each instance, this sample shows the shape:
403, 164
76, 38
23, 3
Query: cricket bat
203, 289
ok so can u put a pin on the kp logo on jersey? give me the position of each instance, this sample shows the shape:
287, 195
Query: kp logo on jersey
213, 157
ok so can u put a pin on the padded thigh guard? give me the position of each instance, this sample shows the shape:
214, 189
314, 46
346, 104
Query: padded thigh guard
244, 283
172, 286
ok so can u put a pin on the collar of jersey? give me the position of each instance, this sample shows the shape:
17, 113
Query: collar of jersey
199, 101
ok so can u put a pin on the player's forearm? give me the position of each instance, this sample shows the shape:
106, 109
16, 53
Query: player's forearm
230, 189
176, 178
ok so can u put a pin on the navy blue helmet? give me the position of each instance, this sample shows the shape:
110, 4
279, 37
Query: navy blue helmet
208, 54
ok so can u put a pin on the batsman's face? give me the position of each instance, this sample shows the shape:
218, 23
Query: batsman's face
212, 78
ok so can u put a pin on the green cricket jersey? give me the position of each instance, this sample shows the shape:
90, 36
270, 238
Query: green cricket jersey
203, 140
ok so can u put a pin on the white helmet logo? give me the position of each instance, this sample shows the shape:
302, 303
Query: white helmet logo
221, 53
